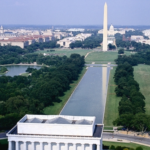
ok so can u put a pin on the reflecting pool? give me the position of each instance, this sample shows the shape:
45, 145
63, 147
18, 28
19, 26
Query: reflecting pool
89, 97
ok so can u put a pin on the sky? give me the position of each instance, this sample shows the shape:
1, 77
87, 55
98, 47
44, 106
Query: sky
74, 12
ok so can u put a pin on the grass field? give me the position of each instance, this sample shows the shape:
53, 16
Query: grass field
26, 74
66, 52
103, 57
57, 107
142, 76
112, 103
129, 145
4, 141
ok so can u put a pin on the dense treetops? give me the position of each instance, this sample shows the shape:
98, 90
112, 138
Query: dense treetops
90, 42
121, 51
3, 69
20, 95
14, 54
132, 105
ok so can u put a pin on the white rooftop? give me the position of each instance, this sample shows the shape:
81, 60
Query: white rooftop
56, 125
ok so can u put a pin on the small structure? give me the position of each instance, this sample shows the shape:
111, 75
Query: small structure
58, 132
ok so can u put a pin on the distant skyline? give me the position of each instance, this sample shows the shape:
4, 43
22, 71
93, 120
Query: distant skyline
78, 12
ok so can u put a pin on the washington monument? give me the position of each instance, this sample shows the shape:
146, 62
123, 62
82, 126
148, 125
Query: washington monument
105, 47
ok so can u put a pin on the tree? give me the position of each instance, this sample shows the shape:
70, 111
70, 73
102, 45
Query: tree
111, 47
17, 104
3, 70
124, 120
121, 51
141, 122
139, 148
112, 147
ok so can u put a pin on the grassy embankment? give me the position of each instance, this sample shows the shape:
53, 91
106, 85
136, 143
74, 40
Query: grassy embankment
3, 141
26, 74
112, 103
142, 76
103, 57
66, 52
57, 107
129, 145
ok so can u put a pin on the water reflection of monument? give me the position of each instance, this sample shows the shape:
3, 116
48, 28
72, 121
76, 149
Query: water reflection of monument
104, 82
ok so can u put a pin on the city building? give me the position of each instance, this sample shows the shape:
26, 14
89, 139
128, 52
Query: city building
67, 41
111, 36
126, 38
144, 41
76, 30
18, 42
147, 32
117, 30
1, 30
56, 132
136, 38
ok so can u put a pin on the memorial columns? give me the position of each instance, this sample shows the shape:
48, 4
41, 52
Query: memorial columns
66, 146
98, 147
10, 145
41, 145
82, 146
17, 145
33, 146
50, 146
57, 144
25, 146
90, 146
74, 146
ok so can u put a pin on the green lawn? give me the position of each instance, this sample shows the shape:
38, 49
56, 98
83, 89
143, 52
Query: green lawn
26, 74
142, 76
103, 57
57, 107
4, 141
66, 52
129, 145
112, 103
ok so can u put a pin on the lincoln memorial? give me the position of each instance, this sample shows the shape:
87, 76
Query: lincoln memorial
56, 132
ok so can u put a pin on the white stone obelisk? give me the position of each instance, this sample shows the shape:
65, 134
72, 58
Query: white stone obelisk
105, 45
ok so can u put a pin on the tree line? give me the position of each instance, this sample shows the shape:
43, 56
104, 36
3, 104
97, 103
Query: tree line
21, 95
137, 47
90, 42
135, 59
51, 44
132, 105
15, 54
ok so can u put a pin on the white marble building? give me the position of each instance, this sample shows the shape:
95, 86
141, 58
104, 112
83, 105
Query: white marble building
68, 40
48, 132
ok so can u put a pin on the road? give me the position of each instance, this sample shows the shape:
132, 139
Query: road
3, 135
108, 135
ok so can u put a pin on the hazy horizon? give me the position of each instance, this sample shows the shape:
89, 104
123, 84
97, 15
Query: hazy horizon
79, 12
